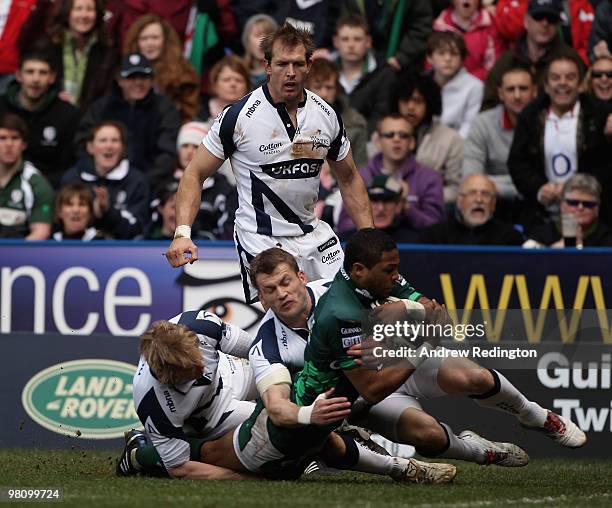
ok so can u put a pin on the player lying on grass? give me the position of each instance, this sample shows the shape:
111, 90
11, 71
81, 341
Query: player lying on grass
283, 335
188, 393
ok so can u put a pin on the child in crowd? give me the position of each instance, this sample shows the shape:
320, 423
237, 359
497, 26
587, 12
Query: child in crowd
461, 92
74, 214
478, 28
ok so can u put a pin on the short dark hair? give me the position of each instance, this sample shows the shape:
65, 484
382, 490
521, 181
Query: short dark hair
323, 69
366, 246
37, 52
353, 21
289, 37
84, 193
392, 116
267, 261
109, 123
405, 86
517, 67
446, 40
13, 122
570, 55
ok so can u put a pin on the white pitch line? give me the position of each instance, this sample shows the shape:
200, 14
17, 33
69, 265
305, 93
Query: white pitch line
522, 500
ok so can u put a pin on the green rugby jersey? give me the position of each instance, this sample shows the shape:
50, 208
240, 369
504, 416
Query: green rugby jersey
337, 327
26, 198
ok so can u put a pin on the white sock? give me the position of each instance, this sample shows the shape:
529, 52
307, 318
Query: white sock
508, 399
372, 462
462, 450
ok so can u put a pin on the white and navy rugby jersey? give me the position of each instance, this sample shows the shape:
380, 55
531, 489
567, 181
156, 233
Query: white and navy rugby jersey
279, 347
276, 165
202, 403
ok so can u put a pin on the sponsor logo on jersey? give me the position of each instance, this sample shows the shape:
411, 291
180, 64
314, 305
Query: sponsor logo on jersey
319, 142
169, 401
16, 196
284, 340
347, 342
252, 108
350, 333
270, 148
330, 257
295, 169
329, 243
321, 105
88, 398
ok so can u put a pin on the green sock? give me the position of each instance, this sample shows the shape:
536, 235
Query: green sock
147, 460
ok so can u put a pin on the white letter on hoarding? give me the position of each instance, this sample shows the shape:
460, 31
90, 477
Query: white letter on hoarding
561, 378
566, 406
8, 278
59, 317
112, 300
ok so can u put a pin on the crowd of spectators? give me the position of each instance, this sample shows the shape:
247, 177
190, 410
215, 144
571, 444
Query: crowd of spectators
471, 121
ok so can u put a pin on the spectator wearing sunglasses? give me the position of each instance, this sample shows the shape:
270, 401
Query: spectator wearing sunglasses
561, 133
575, 24
581, 197
534, 49
423, 189
599, 78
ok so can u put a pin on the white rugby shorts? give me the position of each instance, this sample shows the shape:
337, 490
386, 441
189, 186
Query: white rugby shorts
317, 253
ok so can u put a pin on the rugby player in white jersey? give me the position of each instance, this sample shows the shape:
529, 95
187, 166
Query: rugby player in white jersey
188, 390
278, 352
190, 395
277, 138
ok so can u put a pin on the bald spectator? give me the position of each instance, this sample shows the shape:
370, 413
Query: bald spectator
474, 222
534, 49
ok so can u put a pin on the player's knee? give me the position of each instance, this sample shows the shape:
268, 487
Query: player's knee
421, 430
478, 381
465, 381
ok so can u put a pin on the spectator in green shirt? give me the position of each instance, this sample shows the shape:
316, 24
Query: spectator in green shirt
26, 197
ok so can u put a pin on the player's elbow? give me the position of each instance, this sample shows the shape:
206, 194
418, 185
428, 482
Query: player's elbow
179, 472
277, 415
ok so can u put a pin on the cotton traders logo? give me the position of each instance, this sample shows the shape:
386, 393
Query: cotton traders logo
295, 169
87, 398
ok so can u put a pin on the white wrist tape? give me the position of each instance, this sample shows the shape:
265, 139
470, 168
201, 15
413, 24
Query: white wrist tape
182, 231
305, 412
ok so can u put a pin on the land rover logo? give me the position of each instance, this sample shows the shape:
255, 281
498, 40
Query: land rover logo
87, 398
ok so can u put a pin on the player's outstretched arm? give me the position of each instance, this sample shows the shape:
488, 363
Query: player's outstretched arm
188, 199
353, 191
192, 470
323, 411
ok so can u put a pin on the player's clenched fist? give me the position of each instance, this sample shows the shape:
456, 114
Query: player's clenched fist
178, 250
